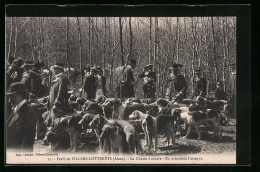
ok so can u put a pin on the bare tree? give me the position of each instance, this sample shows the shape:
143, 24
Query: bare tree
121, 41
80, 51
67, 45
10, 38
131, 41
214, 48
150, 39
15, 37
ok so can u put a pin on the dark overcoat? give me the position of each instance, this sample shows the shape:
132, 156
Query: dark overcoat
90, 86
200, 87
149, 86
59, 91
127, 84
21, 126
32, 81
177, 84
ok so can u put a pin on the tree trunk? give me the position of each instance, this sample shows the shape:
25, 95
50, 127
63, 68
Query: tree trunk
15, 37
139, 44
131, 40
32, 31
121, 41
67, 45
10, 39
155, 43
150, 40
89, 41
104, 47
224, 53
177, 41
214, 48
80, 51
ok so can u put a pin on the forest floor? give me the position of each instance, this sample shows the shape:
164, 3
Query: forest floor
207, 145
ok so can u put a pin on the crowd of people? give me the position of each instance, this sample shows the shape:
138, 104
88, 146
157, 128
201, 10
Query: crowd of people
25, 79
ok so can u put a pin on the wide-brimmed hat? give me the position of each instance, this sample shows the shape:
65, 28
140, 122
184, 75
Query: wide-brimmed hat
17, 62
16, 87
27, 63
175, 65
219, 83
99, 68
58, 66
93, 69
148, 66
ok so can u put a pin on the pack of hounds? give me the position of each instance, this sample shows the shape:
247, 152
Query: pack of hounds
117, 124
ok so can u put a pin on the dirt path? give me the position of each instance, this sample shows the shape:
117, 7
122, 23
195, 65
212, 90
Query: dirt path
207, 144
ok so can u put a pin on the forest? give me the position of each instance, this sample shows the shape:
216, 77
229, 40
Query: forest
109, 42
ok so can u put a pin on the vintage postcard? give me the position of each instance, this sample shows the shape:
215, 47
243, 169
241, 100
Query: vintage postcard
121, 90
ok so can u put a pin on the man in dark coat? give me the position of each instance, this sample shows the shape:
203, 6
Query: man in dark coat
127, 84
200, 85
178, 86
220, 94
58, 98
101, 83
14, 72
149, 81
21, 124
31, 78
90, 84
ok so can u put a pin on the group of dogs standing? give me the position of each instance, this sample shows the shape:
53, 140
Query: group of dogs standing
118, 124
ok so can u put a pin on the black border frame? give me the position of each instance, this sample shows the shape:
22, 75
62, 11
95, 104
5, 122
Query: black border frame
243, 13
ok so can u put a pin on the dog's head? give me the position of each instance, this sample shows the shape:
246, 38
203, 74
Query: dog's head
200, 101
135, 115
81, 101
162, 102
98, 121
86, 119
112, 102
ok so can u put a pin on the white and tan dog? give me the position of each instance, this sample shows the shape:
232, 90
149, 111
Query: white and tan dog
195, 119
149, 126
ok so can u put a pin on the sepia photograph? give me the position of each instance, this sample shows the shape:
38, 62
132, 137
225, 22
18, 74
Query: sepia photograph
121, 90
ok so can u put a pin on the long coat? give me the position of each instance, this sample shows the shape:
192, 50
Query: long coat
32, 81
21, 126
59, 91
127, 85
200, 88
177, 84
90, 86
149, 83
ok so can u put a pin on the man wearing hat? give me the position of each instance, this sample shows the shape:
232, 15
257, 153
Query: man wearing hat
220, 94
178, 85
58, 97
100, 83
31, 78
149, 81
127, 84
14, 72
21, 124
90, 84
200, 85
